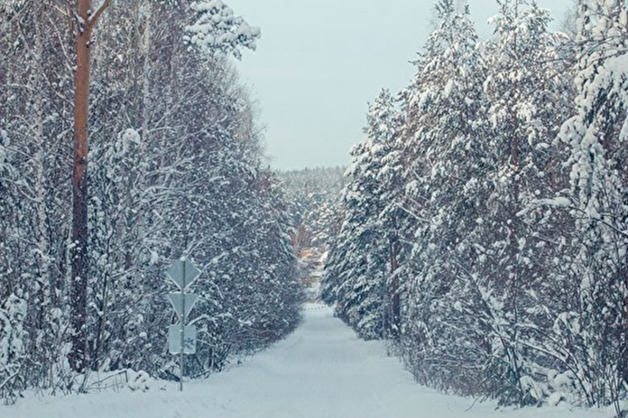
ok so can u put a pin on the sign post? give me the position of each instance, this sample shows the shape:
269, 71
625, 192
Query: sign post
182, 338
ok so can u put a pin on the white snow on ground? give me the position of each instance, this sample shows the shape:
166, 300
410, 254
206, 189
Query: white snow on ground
322, 370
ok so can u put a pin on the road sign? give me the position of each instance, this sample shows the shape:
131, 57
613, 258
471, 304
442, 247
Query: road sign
181, 337
183, 273
177, 300
189, 339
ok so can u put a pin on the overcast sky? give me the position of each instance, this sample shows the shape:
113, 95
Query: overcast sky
319, 63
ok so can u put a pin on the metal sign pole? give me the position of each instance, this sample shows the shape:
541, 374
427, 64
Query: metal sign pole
182, 330
182, 273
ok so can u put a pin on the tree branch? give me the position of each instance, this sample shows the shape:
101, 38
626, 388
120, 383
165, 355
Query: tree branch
94, 18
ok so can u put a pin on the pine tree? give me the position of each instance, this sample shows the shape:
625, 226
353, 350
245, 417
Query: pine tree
358, 265
521, 87
595, 327
445, 195
217, 29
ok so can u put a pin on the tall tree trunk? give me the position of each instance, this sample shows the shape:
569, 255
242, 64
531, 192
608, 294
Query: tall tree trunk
394, 289
80, 267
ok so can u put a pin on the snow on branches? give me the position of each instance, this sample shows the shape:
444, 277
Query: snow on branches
513, 252
12, 345
217, 29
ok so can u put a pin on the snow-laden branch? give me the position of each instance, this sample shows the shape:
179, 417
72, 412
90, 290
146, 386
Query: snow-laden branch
556, 202
218, 29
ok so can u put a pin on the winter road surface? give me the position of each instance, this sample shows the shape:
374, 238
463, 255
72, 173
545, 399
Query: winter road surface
322, 370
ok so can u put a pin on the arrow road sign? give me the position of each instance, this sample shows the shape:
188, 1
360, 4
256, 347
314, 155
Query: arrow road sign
177, 300
189, 339
183, 273
181, 337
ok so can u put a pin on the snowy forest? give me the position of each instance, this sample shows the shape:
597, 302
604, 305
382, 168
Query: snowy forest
485, 218
316, 216
312, 196
480, 232
175, 169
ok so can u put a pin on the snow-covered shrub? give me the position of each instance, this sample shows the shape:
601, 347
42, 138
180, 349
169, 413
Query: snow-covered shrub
12, 347
138, 380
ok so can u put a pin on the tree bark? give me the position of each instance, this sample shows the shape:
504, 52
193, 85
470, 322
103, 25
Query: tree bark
80, 265
395, 320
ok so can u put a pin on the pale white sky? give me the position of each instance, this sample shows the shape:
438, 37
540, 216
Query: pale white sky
319, 63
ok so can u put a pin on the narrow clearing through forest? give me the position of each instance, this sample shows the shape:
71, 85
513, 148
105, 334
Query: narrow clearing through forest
321, 370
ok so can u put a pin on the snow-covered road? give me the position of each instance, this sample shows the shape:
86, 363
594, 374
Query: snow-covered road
322, 370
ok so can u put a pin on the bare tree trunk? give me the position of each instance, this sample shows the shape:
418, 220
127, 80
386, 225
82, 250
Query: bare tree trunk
396, 297
80, 266
394, 290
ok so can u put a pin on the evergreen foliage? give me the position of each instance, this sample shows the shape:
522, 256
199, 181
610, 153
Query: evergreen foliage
312, 195
505, 185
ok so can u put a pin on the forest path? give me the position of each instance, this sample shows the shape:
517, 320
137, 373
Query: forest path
321, 370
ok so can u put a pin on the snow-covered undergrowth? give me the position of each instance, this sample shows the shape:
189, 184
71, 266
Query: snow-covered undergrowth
321, 370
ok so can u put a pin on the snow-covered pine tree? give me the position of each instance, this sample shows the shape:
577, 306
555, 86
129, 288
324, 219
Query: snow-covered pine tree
522, 86
593, 330
445, 137
357, 267
313, 195
216, 28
